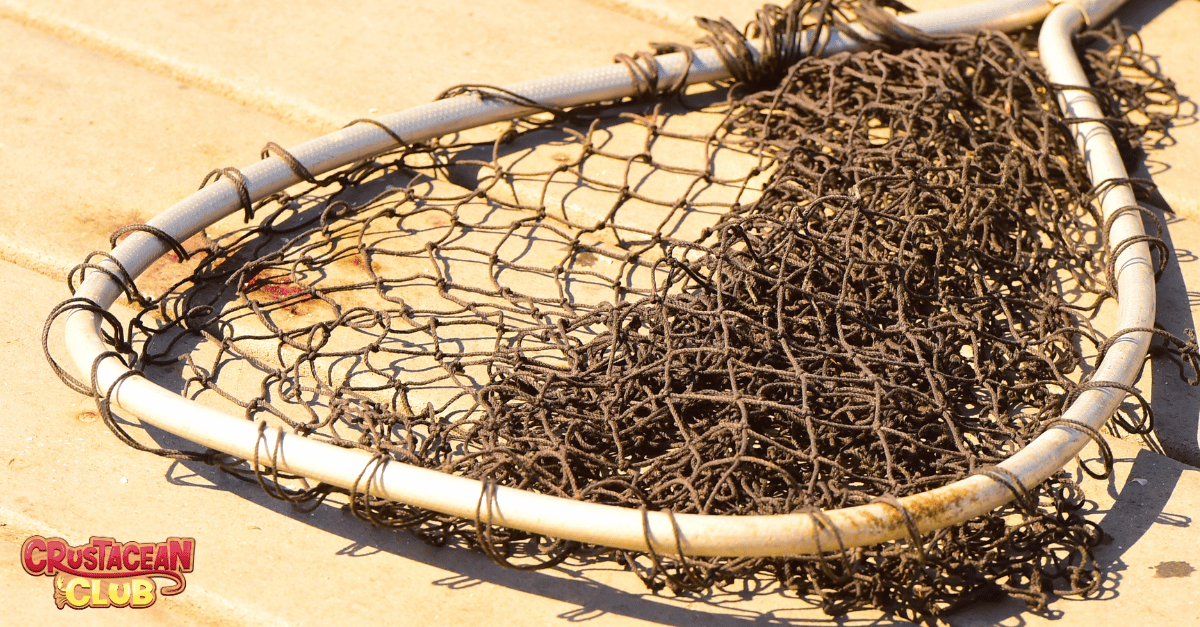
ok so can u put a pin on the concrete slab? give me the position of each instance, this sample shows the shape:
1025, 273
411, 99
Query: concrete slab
259, 562
89, 144
680, 15
319, 65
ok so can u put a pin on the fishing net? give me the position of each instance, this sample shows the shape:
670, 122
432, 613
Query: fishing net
829, 282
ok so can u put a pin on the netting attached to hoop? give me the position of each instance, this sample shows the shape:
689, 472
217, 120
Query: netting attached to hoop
860, 277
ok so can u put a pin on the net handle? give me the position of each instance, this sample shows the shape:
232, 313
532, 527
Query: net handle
755, 536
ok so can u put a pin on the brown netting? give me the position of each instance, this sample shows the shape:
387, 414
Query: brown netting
839, 280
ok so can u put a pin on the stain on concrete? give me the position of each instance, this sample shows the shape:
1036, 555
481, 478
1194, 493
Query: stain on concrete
1173, 569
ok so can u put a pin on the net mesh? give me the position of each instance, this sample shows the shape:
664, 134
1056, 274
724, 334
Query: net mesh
833, 281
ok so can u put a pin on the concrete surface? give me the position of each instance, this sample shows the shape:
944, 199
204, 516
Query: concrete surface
111, 111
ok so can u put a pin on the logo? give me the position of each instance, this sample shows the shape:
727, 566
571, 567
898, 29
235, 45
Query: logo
107, 573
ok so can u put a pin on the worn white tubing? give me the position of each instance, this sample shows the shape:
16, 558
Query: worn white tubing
606, 525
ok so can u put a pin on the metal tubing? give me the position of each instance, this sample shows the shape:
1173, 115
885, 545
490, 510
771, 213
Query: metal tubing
789, 534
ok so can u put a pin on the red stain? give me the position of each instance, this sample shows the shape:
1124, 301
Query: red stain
282, 291
277, 287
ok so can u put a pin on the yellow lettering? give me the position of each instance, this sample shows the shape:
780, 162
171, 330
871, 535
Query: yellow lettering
74, 601
143, 593
96, 600
119, 593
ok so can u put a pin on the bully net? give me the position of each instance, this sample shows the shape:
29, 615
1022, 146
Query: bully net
830, 281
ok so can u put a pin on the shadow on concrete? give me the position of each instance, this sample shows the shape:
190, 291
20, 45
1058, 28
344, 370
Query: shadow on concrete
1137, 14
1139, 503
579, 584
1176, 404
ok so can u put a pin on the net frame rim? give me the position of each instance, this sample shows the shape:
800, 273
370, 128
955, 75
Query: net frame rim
611, 526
